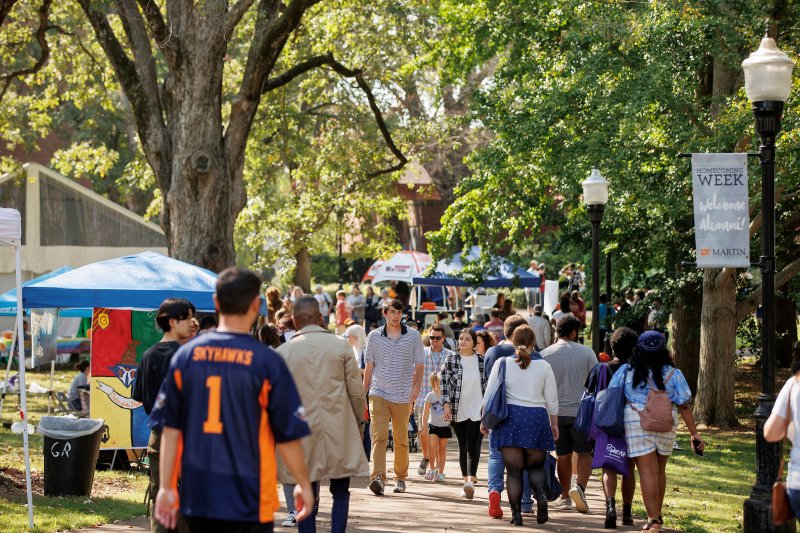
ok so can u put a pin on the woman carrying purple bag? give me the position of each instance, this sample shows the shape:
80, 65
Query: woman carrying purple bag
623, 341
651, 367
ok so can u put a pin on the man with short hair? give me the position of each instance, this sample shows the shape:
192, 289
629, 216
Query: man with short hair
571, 363
495, 325
532, 293
540, 327
496, 465
394, 358
227, 401
357, 303
174, 318
329, 382
325, 302
435, 357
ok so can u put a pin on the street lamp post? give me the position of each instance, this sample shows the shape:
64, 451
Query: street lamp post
340, 260
768, 81
595, 196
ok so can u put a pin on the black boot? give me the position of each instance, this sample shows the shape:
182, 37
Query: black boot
541, 508
627, 515
516, 514
611, 514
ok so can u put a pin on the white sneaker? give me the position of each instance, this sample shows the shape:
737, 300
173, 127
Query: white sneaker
576, 493
563, 504
469, 490
290, 520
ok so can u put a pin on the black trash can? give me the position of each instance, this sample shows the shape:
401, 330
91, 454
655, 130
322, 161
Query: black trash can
71, 447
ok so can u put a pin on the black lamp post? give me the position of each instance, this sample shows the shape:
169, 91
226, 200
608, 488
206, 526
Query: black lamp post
595, 196
768, 81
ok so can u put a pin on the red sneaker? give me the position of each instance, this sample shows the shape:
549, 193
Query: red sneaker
494, 505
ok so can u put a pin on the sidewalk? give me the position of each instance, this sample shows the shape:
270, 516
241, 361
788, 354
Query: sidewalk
434, 507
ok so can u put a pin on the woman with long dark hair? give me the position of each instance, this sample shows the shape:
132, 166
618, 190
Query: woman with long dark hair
527, 435
651, 367
463, 384
485, 340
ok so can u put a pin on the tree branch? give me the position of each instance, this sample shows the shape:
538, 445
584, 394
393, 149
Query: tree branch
158, 28
235, 15
139, 84
5, 9
41, 38
749, 304
345, 72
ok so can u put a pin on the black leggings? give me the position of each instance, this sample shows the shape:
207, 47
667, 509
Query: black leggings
519, 460
469, 438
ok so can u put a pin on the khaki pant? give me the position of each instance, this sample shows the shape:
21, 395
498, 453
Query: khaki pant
380, 411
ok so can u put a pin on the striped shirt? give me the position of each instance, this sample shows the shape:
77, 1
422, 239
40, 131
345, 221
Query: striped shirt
434, 362
394, 361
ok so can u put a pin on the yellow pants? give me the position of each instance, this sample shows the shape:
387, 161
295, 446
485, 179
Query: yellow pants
380, 411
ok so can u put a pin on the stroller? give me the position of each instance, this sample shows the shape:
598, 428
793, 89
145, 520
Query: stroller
413, 436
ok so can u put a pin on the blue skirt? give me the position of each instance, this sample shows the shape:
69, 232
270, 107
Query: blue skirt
525, 427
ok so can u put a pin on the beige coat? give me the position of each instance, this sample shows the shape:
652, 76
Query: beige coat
329, 381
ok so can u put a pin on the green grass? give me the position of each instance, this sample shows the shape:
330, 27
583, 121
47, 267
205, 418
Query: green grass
705, 494
116, 495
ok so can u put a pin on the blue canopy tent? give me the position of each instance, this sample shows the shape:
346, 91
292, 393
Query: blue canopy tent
140, 281
8, 300
503, 273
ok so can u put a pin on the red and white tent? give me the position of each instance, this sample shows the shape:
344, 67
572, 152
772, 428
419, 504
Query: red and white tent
402, 266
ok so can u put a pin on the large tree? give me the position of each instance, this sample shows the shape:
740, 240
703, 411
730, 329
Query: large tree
624, 87
170, 61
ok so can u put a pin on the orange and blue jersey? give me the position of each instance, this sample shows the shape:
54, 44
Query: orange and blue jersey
234, 399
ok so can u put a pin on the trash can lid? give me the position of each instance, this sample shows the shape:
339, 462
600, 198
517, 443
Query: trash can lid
66, 427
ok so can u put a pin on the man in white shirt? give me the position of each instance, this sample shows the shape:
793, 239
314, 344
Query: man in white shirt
540, 327
532, 293
325, 302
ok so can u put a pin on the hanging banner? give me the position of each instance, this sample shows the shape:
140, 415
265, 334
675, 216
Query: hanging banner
44, 334
721, 210
119, 339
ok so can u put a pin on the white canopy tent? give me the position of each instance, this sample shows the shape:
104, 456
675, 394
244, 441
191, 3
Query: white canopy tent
11, 235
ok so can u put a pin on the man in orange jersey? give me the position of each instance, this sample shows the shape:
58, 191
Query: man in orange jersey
226, 403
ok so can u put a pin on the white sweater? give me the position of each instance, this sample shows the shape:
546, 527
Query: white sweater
533, 387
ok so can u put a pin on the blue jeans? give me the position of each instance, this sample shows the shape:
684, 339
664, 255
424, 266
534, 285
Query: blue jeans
340, 489
794, 500
496, 477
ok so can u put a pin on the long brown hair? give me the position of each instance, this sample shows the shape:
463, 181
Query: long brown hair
523, 339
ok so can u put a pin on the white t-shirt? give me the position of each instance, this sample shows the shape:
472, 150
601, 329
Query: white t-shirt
793, 477
469, 405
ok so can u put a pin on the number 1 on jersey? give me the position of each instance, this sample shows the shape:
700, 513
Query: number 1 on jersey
213, 424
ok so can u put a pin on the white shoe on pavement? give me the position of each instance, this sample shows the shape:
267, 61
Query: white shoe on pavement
469, 490
576, 493
290, 520
563, 504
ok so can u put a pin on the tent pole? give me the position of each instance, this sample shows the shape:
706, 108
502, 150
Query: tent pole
22, 387
8, 368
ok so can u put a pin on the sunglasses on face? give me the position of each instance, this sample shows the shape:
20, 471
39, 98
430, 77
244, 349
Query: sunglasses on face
436, 338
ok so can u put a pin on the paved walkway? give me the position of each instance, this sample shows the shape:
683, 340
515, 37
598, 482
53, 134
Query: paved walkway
432, 507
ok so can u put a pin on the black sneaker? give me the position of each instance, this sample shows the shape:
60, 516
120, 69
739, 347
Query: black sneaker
376, 485
399, 486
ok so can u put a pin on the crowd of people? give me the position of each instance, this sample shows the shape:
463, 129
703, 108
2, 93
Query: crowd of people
236, 408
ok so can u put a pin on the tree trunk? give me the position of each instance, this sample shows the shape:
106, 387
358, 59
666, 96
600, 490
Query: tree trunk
785, 329
686, 333
206, 190
302, 270
714, 404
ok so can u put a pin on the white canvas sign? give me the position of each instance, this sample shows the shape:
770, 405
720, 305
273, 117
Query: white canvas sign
721, 210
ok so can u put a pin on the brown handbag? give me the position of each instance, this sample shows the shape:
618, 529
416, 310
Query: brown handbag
781, 508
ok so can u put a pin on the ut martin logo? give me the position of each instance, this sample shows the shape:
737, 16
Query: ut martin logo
705, 252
